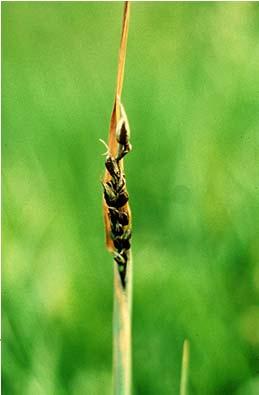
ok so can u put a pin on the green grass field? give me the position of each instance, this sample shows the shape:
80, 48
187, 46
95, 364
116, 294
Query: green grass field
191, 92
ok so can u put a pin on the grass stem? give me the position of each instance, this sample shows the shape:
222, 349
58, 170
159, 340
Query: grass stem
122, 332
185, 368
117, 218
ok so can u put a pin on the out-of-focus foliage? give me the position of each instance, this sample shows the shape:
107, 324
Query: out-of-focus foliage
191, 93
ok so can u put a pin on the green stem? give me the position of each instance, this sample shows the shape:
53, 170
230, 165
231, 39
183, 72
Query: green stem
122, 331
185, 368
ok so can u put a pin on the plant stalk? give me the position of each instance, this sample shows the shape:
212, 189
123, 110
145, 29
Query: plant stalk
117, 219
122, 332
185, 368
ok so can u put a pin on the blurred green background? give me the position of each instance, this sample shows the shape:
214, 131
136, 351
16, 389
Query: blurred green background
192, 97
